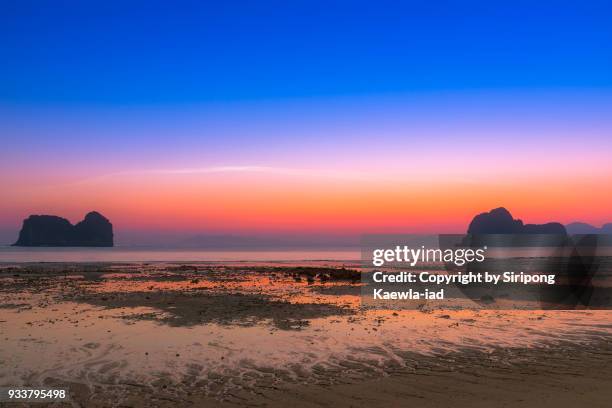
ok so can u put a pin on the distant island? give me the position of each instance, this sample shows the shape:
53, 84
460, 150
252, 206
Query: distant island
500, 221
49, 230
584, 228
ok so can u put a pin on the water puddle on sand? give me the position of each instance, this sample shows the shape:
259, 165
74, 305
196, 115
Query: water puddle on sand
241, 332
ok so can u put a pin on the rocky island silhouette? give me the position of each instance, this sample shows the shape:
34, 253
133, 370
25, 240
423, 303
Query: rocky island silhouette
500, 221
94, 230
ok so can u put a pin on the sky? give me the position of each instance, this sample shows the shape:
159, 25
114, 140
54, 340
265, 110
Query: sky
304, 118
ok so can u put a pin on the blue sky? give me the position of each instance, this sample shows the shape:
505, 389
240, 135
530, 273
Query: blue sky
118, 53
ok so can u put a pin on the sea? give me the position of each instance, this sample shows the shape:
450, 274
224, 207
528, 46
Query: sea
9, 254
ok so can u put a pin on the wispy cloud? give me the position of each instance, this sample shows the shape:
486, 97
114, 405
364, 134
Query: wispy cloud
283, 171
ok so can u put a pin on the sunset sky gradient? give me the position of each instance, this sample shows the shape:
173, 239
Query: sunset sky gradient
316, 118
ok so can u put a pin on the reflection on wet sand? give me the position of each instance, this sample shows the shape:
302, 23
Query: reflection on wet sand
184, 333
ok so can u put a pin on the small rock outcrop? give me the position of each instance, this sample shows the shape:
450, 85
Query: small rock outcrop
49, 230
500, 221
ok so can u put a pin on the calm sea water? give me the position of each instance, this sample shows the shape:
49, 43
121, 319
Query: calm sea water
150, 254
10, 254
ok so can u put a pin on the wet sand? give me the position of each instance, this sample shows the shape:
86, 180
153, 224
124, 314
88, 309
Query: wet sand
274, 335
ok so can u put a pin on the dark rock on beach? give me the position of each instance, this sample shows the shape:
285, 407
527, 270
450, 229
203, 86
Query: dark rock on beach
94, 230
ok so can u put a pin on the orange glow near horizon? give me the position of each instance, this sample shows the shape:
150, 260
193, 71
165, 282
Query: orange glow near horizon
245, 201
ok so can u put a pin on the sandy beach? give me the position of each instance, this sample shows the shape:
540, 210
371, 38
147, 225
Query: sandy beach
258, 334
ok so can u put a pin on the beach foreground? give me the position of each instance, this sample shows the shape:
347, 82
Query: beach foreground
282, 334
